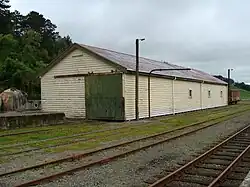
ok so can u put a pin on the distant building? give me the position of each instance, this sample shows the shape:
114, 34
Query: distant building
95, 83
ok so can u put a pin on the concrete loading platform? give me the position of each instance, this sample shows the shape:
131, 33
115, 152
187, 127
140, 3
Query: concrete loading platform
11, 120
246, 182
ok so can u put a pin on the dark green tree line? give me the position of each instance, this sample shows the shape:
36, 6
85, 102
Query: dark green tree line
27, 44
240, 85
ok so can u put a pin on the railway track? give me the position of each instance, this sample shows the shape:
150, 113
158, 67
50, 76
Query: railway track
69, 139
45, 172
49, 128
25, 132
225, 165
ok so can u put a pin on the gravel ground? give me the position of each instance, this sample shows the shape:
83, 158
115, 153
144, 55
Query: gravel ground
246, 182
38, 173
107, 129
38, 157
147, 166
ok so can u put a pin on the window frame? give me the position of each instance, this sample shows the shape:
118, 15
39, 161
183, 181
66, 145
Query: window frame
190, 93
221, 93
209, 93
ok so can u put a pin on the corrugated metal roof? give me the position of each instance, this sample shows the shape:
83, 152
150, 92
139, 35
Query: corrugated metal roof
146, 65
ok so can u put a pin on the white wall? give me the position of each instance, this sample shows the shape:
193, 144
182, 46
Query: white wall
170, 96
161, 96
68, 94
64, 95
182, 100
215, 100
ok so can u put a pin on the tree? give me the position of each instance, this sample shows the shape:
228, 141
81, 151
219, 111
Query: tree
5, 23
224, 79
62, 44
10, 66
241, 85
27, 44
45, 28
16, 23
4, 4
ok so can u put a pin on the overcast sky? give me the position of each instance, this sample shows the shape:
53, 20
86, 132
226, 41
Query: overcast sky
210, 35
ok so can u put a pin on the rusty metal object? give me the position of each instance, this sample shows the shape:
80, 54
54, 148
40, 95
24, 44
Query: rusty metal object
13, 99
234, 96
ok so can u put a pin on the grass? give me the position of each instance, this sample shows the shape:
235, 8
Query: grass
56, 131
158, 124
199, 116
106, 139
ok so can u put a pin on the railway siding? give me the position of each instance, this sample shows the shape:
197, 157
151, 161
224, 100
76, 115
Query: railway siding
96, 159
142, 167
103, 155
133, 131
238, 152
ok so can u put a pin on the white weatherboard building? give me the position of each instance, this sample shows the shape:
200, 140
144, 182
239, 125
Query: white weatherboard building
95, 83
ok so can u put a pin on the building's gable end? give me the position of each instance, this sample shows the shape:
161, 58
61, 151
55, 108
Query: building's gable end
65, 93
79, 62
84, 53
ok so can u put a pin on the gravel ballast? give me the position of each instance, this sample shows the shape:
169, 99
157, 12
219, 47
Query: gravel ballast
20, 178
146, 166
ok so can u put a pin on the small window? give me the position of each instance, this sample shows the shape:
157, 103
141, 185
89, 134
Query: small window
221, 93
209, 93
190, 93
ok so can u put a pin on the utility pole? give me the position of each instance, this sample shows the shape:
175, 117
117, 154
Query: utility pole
228, 82
137, 79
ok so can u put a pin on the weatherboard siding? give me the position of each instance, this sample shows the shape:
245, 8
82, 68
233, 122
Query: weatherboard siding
68, 94
182, 100
161, 96
170, 96
64, 95
129, 96
215, 100
79, 62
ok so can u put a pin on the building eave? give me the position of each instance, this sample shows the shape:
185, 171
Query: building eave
175, 78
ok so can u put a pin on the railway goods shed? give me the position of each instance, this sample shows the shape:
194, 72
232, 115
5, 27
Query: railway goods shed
95, 83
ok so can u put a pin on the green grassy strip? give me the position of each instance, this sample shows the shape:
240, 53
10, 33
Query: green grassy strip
111, 136
106, 140
153, 126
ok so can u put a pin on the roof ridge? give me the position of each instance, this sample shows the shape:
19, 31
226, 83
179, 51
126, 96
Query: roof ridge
165, 62
194, 73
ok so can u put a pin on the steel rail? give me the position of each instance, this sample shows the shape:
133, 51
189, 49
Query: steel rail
25, 132
76, 141
227, 170
36, 131
170, 177
79, 156
104, 160
65, 137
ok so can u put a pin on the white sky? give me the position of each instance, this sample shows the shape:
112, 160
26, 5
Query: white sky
208, 35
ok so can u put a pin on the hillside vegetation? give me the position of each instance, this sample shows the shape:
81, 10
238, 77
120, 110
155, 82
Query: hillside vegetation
244, 88
27, 44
